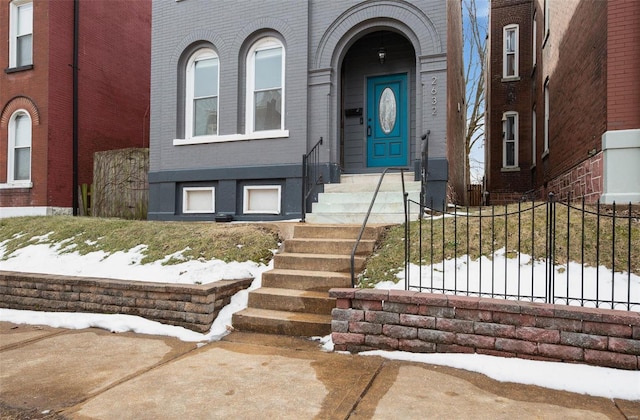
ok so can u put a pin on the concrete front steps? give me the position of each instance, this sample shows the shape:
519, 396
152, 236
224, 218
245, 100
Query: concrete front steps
294, 298
348, 201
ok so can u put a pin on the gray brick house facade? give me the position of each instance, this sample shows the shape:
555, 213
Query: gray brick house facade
241, 90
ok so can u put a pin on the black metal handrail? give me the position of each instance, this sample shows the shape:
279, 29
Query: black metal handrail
311, 174
366, 217
424, 166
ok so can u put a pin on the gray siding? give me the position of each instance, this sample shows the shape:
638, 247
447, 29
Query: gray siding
317, 35
229, 27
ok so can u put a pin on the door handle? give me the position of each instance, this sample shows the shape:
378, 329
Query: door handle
368, 131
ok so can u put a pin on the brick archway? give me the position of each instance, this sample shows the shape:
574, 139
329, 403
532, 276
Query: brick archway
20, 102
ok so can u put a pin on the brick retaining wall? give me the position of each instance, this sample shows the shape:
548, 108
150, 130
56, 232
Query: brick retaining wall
187, 305
370, 319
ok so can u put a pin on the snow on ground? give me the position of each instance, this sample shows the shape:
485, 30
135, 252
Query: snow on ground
597, 381
464, 274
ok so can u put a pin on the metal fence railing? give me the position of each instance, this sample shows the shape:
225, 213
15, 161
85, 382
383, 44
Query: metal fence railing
554, 252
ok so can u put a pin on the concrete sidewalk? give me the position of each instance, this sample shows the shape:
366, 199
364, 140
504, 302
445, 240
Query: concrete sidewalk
93, 374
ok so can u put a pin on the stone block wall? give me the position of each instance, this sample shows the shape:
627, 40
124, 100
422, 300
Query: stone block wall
187, 305
370, 319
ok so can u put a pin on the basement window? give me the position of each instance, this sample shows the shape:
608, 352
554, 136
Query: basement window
198, 200
262, 199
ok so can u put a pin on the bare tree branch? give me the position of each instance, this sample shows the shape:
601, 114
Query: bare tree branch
474, 38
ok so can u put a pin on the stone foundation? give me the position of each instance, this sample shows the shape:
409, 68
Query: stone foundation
187, 305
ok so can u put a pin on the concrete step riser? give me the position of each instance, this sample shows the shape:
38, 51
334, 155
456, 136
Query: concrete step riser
300, 282
331, 207
280, 326
313, 305
365, 198
357, 218
316, 263
342, 248
331, 232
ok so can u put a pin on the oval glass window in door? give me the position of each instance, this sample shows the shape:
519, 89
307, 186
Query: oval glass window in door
387, 110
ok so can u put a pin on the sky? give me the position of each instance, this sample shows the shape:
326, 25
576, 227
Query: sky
590, 380
482, 9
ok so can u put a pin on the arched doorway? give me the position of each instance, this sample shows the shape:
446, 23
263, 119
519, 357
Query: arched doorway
377, 103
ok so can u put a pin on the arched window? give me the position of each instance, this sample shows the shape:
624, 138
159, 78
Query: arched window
265, 86
201, 99
19, 153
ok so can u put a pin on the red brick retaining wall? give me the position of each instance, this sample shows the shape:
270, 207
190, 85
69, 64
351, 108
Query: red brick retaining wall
187, 305
370, 319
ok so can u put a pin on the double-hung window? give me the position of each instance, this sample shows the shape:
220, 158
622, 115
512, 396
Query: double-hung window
20, 33
201, 107
265, 86
19, 153
510, 56
546, 117
510, 143
534, 39
534, 134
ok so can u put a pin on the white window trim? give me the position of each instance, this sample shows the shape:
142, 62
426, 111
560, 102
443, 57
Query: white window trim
185, 192
534, 140
262, 44
546, 22
515, 139
201, 54
13, 31
546, 118
245, 201
11, 182
534, 37
516, 67
258, 135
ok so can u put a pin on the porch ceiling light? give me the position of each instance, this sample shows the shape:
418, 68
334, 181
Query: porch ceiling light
382, 54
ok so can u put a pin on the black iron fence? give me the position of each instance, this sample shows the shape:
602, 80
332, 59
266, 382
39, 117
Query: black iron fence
554, 252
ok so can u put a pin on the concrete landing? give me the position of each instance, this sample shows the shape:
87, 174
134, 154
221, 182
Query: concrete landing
93, 374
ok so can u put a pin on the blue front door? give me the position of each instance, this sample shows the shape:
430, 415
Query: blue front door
387, 122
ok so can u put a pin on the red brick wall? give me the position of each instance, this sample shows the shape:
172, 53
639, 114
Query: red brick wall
583, 180
33, 84
60, 105
623, 65
368, 319
115, 72
114, 78
575, 60
510, 96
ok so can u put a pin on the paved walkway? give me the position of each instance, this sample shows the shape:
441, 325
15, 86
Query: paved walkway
94, 374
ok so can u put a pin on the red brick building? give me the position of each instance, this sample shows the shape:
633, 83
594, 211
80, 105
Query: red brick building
39, 165
563, 100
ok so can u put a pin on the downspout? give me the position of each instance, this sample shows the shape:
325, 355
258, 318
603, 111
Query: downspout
74, 184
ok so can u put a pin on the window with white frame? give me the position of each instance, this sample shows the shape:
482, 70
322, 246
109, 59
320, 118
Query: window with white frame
510, 51
20, 33
534, 39
510, 142
19, 153
546, 116
546, 19
201, 99
265, 86
198, 200
534, 133
263, 199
